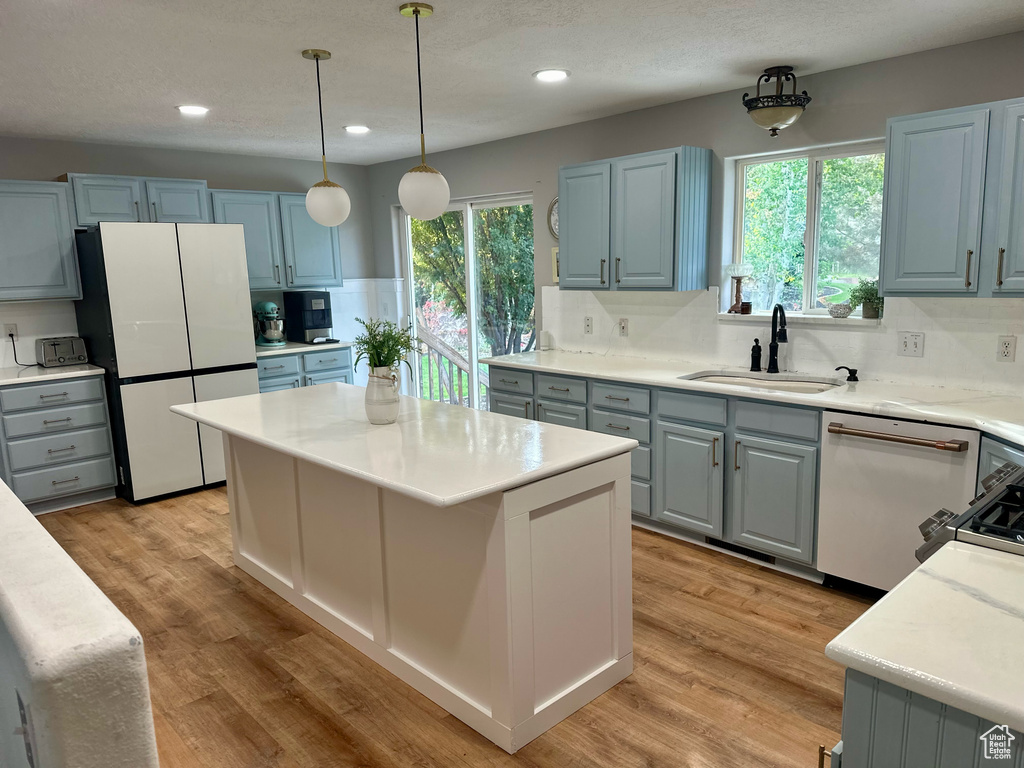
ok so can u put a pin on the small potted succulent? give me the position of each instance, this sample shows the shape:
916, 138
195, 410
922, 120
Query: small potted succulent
866, 294
384, 346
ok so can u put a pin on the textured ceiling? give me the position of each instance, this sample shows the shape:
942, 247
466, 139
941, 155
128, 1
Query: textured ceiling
113, 70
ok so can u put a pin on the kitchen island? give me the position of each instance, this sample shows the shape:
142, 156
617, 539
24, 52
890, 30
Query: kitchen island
483, 559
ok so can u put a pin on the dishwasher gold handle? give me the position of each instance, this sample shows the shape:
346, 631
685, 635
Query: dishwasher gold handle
956, 446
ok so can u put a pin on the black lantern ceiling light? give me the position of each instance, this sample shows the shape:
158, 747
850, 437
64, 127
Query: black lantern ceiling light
775, 111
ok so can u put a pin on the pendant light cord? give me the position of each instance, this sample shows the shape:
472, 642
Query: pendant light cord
320, 103
419, 82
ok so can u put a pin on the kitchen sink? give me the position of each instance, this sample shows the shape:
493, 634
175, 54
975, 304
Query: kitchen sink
777, 382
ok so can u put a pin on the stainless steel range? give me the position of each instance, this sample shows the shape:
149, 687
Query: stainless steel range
995, 519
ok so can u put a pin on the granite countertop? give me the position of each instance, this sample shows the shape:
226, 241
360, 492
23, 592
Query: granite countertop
36, 374
999, 415
294, 347
948, 631
438, 453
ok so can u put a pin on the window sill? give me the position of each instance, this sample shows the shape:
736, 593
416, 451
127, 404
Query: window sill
793, 318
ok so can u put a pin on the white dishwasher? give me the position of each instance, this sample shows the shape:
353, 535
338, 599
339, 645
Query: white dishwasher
879, 479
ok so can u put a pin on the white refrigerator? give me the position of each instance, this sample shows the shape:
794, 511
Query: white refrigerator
166, 311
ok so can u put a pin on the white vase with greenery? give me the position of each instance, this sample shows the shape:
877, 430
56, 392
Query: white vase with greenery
384, 346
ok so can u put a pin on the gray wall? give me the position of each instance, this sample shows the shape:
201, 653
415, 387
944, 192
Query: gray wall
848, 105
43, 160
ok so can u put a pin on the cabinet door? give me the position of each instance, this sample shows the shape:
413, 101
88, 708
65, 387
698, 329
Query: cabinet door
182, 201
934, 182
774, 488
993, 455
312, 252
693, 218
37, 253
689, 474
566, 414
276, 385
511, 405
584, 215
1009, 245
258, 214
108, 198
643, 221
342, 377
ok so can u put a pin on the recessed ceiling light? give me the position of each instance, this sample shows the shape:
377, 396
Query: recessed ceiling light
192, 110
551, 75
357, 129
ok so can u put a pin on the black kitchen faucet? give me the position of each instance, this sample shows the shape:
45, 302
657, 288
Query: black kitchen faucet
778, 337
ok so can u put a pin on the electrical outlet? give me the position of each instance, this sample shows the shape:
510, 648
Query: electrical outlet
588, 325
623, 326
1007, 349
910, 344
11, 328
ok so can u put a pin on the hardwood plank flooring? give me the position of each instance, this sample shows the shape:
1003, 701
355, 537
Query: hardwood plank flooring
729, 662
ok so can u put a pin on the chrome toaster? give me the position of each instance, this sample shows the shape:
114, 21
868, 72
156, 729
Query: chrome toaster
60, 350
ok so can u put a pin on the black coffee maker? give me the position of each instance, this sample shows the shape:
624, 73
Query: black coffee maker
307, 315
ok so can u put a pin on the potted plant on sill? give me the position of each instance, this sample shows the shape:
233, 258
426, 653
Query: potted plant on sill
384, 346
866, 294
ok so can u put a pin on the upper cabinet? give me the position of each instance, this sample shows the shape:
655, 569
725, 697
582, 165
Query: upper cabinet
952, 221
130, 198
636, 222
284, 247
37, 256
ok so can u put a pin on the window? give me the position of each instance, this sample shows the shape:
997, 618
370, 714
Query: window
810, 225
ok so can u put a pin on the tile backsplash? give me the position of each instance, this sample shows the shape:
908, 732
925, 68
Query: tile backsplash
961, 336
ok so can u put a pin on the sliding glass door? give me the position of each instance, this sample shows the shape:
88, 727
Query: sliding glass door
471, 290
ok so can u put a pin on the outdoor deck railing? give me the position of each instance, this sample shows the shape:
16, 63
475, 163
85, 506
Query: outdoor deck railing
446, 379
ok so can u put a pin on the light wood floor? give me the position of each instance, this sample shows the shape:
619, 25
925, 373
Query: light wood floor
730, 669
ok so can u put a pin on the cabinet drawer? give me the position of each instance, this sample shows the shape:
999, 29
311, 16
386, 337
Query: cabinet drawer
640, 498
49, 395
778, 420
566, 414
65, 479
511, 405
277, 366
327, 360
640, 462
621, 398
559, 388
620, 425
58, 449
54, 420
511, 381
683, 405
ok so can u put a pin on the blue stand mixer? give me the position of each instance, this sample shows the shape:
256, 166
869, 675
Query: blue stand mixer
269, 325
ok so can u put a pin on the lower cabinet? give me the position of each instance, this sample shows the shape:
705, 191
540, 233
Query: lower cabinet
306, 369
774, 488
279, 383
326, 377
566, 414
689, 468
511, 405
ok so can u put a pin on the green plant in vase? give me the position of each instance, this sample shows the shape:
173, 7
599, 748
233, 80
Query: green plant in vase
865, 294
384, 346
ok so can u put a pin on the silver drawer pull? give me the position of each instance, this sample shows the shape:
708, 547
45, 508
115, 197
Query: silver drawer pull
559, 389
332, 360
956, 446
272, 367
616, 426
60, 450
61, 482
57, 421
509, 381
620, 399
58, 394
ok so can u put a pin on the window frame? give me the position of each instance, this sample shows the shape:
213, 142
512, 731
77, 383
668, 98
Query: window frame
815, 157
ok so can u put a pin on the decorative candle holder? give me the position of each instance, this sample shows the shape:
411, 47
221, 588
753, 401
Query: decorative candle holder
738, 272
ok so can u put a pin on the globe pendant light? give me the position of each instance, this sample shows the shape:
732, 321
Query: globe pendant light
423, 191
326, 202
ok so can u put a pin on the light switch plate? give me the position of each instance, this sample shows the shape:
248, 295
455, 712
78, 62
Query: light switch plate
623, 326
588, 324
910, 344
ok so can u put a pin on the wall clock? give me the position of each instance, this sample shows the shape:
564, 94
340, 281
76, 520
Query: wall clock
553, 218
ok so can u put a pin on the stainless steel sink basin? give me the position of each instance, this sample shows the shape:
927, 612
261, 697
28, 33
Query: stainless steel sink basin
778, 382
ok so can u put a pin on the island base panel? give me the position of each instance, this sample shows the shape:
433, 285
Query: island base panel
511, 611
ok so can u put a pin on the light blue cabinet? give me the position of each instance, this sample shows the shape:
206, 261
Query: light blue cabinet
773, 497
688, 493
37, 253
108, 198
279, 383
636, 222
511, 405
584, 216
312, 252
304, 369
643, 220
258, 214
1009, 241
566, 414
180, 201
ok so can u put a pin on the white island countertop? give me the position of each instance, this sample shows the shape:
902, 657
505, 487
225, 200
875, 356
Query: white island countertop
440, 454
949, 631
999, 415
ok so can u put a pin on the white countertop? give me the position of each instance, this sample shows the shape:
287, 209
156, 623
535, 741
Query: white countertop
36, 374
999, 415
949, 631
294, 347
440, 454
